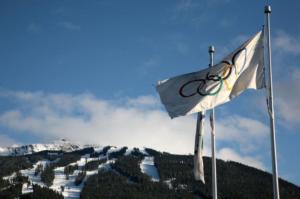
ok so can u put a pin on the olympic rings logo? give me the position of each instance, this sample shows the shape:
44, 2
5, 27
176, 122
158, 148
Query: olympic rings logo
219, 79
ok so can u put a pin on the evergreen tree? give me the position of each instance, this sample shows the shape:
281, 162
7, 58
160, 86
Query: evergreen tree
47, 175
80, 177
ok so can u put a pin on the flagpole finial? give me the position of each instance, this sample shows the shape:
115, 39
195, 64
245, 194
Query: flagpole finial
211, 49
267, 9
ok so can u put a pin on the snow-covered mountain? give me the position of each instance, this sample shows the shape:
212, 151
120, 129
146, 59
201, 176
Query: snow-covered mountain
120, 172
59, 145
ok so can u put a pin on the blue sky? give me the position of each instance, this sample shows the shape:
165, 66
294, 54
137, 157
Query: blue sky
86, 71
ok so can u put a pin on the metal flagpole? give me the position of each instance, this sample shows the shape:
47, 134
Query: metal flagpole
211, 51
271, 108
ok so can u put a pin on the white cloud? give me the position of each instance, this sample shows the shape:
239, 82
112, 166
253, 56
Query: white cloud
134, 122
284, 42
287, 97
229, 154
248, 133
86, 119
143, 101
6, 140
286, 79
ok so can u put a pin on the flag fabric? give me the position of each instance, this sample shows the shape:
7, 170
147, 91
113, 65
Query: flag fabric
198, 91
198, 154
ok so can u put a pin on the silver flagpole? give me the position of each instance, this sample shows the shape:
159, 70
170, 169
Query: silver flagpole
211, 51
271, 108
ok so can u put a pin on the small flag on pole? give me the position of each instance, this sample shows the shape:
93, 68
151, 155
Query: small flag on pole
198, 155
203, 90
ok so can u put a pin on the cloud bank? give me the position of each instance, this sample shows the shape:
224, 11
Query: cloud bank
133, 122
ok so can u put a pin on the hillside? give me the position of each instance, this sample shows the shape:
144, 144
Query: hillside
110, 172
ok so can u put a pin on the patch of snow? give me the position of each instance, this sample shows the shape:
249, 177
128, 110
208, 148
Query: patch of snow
60, 145
4, 151
98, 149
144, 152
182, 186
71, 191
10, 177
114, 149
85, 159
26, 188
35, 179
93, 159
147, 167
128, 151
106, 166
169, 182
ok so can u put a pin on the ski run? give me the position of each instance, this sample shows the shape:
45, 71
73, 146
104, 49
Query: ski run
67, 187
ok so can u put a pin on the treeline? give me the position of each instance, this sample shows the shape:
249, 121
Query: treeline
127, 181
80, 177
103, 152
117, 154
69, 170
136, 152
100, 186
234, 180
47, 175
10, 164
128, 166
93, 165
13, 189
64, 160
42, 193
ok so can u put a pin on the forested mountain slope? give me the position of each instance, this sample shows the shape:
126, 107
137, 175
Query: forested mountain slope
110, 172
